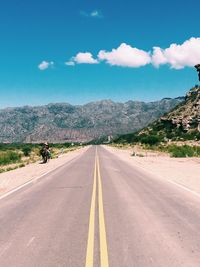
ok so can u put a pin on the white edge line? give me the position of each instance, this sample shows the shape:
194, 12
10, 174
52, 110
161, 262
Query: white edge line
184, 187
30, 241
34, 179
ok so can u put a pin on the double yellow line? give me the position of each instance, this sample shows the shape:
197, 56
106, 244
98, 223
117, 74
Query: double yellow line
102, 230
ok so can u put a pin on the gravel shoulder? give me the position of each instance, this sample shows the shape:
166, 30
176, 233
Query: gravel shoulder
183, 171
13, 179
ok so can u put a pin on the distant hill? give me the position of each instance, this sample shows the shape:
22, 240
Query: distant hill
181, 123
63, 122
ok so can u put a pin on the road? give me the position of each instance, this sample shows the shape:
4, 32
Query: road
99, 211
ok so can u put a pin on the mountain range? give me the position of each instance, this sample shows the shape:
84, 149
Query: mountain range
62, 122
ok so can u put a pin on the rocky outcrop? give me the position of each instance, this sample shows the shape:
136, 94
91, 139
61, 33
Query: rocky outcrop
180, 124
187, 115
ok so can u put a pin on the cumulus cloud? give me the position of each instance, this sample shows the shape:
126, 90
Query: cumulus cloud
178, 55
158, 57
126, 56
84, 58
45, 65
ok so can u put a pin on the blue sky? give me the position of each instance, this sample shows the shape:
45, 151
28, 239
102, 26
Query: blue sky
38, 38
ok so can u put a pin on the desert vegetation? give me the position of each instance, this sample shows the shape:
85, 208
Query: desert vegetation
181, 148
18, 155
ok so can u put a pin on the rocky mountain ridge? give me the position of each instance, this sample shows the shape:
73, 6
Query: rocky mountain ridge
182, 123
62, 122
187, 115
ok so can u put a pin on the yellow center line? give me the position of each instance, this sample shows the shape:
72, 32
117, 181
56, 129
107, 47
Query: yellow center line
90, 243
102, 230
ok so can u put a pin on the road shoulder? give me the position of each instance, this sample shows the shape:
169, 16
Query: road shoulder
16, 178
181, 171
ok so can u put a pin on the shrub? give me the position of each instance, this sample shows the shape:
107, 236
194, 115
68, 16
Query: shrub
11, 169
150, 140
182, 151
9, 157
22, 165
27, 151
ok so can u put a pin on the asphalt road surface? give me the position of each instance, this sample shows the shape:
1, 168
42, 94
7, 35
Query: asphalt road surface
99, 211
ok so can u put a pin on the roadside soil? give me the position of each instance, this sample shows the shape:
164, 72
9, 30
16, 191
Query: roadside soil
183, 171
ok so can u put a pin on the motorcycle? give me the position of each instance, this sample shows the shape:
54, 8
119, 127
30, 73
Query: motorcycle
45, 153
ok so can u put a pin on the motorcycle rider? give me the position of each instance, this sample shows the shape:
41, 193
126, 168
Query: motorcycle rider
45, 152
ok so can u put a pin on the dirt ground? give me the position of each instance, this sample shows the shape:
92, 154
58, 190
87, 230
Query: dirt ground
183, 171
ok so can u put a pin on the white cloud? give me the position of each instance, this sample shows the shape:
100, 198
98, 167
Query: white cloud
178, 56
84, 58
70, 63
45, 65
158, 57
94, 14
126, 56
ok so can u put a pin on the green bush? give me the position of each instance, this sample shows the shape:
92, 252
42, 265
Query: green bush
150, 140
27, 151
183, 151
9, 157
